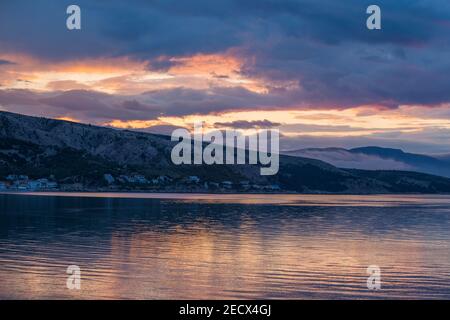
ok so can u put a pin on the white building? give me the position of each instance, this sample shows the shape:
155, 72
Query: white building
193, 179
34, 185
227, 184
109, 178
52, 185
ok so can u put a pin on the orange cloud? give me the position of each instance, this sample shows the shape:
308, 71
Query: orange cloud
126, 76
68, 119
132, 124
202, 64
215, 69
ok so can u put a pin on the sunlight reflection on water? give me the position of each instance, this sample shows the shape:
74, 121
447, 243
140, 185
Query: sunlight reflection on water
224, 246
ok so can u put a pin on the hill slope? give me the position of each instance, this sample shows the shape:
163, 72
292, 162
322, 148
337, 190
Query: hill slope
377, 158
80, 155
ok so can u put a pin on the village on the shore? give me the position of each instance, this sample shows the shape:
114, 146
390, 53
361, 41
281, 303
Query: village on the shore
17, 183
14, 182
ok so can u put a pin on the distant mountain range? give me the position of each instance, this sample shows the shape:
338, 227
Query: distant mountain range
443, 157
376, 158
85, 157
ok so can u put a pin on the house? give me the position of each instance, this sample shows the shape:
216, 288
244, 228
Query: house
244, 184
227, 184
21, 186
109, 178
133, 179
193, 179
140, 179
123, 178
273, 187
34, 185
15, 178
161, 180
52, 185
164, 179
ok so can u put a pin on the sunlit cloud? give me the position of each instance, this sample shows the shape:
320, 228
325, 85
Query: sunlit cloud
124, 75
31, 73
68, 119
315, 123
218, 69
316, 78
132, 124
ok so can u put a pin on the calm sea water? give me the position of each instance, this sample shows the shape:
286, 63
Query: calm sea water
172, 246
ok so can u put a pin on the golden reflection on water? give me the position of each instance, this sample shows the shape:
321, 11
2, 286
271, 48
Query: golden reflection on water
281, 199
196, 264
307, 255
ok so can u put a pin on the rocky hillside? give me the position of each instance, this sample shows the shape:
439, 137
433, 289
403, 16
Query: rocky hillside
85, 157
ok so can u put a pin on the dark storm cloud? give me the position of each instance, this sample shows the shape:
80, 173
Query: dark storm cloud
98, 107
172, 27
323, 45
183, 101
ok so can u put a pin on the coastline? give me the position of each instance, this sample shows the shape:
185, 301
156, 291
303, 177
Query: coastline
231, 192
276, 200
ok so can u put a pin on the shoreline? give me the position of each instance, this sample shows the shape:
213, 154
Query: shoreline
275, 200
233, 193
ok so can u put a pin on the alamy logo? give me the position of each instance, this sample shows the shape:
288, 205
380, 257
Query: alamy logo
239, 149
74, 280
73, 22
374, 20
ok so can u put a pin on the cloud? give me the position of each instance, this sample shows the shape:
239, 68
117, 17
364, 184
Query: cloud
161, 129
318, 52
66, 85
142, 60
6, 62
304, 128
243, 124
99, 107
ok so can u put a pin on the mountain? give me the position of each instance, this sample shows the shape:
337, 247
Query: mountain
443, 157
85, 157
418, 162
377, 158
343, 158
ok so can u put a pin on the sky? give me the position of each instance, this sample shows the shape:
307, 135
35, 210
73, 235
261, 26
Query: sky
308, 67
